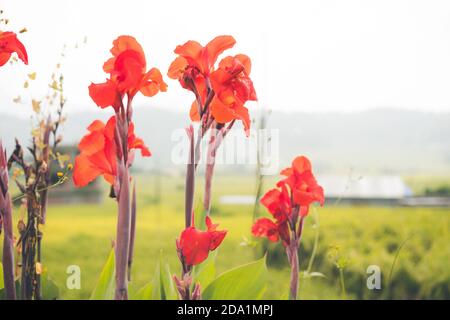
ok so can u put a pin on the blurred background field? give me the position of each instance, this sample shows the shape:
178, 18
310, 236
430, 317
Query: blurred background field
81, 234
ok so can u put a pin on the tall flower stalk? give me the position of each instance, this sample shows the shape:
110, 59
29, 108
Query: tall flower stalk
108, 150
288, 204
7, 223
220, 94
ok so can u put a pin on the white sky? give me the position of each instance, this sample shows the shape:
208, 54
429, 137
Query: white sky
307, 55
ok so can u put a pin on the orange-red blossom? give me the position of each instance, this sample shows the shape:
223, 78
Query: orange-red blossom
128, 75
295, 193
220, 92
194, 245
98, 152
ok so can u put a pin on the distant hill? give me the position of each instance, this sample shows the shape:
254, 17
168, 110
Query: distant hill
388, 141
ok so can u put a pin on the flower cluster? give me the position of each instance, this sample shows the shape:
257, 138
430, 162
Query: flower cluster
127, 75
221, 93
289, 201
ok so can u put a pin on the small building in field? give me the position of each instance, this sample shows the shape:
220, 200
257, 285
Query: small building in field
364, 190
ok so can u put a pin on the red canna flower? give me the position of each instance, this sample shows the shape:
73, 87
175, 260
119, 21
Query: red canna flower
233, 88
278, 202
193, 66
98, 152
196, 62
292, 197
10, 44
304, 187
229, 86
194, 245
128, 75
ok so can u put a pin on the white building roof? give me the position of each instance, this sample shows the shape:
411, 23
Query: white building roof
380, 187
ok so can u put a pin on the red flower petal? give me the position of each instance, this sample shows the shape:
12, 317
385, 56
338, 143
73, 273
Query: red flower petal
153, 83
191, 51
301, 164
123, 43
104, 94
84, 172
218, 45
221, 112
9, 44
194, 112
4, 58
177, 68
264, 227
195, 245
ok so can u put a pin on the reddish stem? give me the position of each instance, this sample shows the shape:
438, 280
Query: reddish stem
293, 259
190, 179
132, 231
8, 240
123, 234
292, 252
209, 171
124, 204
216, 139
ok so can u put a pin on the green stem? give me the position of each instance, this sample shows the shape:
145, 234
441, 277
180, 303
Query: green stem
341, 276
316, 242
391, 271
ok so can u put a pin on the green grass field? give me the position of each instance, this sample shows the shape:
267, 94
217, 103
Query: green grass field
82, 235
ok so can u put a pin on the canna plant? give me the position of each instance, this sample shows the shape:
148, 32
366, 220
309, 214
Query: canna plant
9, 44
33, 178
288, 204
108, 149
220, 94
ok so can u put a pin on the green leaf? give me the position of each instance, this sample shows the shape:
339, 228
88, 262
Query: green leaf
156, 291
49, 289
205, 272
246, 282
145, 293
163, 285
2, 285
104, 289
3, 292
167, 283
199, 218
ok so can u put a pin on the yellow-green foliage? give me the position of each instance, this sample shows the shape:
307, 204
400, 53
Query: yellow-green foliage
81, 234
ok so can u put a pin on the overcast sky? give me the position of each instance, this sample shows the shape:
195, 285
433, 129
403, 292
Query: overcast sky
307, 55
